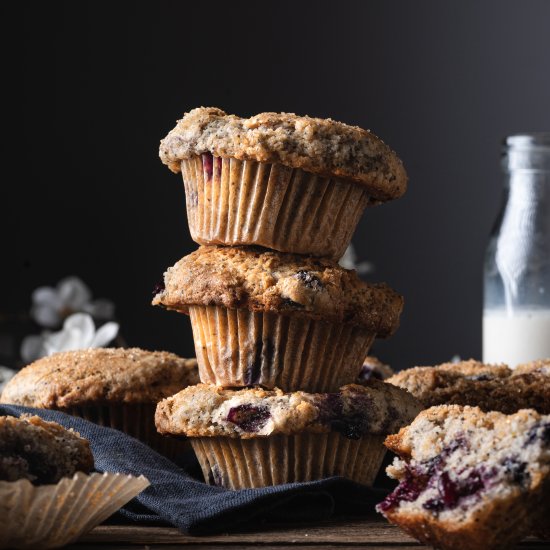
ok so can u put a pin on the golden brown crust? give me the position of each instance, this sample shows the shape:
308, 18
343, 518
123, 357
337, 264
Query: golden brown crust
104, 375
490, 387
262, 280
321, 146
209, 411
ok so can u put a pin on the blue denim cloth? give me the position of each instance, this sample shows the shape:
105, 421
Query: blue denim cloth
178, 498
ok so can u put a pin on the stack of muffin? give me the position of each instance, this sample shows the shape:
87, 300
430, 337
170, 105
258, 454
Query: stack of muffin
280, 329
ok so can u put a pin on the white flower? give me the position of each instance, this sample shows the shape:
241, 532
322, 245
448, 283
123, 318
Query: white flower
6, 375
349, 261
51, 305
78, 332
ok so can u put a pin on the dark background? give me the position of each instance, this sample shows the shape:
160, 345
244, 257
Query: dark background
97, 85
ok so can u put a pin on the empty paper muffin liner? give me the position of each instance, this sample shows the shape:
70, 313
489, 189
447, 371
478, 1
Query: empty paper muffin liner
135, 419
50, 516
235, 202
238, 347
262, 461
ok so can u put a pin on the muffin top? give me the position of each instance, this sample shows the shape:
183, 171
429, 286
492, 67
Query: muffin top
490, 387
374, 368
262, 280
207, 411
316, 145
103, 375
42, 452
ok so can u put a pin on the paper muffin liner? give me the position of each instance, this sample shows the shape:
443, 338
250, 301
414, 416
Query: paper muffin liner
50, 516
234, 202
135, 419
238, 347
262, 461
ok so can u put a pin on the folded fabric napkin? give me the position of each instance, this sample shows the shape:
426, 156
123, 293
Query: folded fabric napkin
176, 497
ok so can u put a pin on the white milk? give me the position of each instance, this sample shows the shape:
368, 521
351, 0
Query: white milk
516, 339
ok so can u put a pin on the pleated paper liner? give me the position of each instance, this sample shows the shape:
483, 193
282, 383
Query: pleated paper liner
238, 347
234, 202
135, 419
263, 461
50, 516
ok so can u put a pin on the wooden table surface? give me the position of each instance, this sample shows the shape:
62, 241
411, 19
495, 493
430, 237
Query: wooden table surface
370, 533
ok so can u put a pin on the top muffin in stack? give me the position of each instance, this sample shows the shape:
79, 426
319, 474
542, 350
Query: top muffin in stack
277, 180
274, 200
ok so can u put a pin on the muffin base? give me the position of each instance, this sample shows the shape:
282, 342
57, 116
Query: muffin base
238, 347
234, 202
262, 461
135, 419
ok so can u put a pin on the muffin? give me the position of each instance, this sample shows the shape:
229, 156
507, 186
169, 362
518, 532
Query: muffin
112, 387
255, 437
42, 452
469, 479
286, 182
374, 368
48, 495
277, 320
489, 387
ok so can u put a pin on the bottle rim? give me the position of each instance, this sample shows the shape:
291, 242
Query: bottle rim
527, 140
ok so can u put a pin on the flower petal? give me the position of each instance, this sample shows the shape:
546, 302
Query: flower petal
32, 348
100, 309
84, 325
46, 315
45, 295
105, 334
74, 293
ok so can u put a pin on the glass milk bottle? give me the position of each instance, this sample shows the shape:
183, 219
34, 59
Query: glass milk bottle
516, 309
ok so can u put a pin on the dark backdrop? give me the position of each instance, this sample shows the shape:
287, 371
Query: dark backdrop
97, 85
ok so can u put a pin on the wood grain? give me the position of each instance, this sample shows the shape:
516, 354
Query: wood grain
371, 533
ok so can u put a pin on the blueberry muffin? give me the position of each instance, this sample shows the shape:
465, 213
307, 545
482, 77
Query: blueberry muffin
374, 368
277, 320
113, 387
470, 479
286, 182
42, 452
490, 387
256, 437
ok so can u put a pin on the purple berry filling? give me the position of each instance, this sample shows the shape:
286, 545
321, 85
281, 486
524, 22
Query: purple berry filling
208, 165
352, 422
540, 431
309, 280
248, 417
430, 474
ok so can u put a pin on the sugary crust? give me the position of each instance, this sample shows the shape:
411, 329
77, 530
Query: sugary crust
262, 280
104, 375
490, 387
316, 145
40, 451
205, 411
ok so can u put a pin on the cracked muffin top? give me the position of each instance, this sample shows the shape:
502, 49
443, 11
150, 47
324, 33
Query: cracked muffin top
103, 375
42, 452
321, 146
207, 411
490, 387
262, 280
